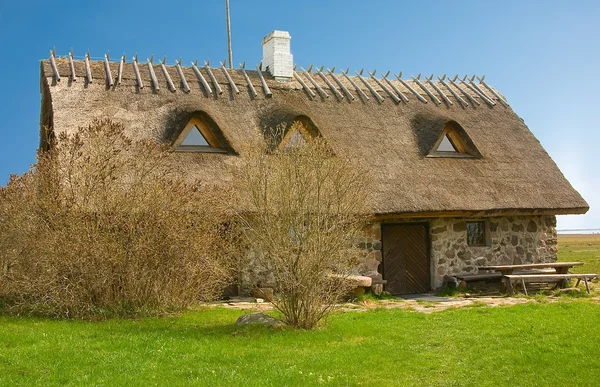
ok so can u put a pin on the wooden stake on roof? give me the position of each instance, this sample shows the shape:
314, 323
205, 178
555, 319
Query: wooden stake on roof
88, 70
170, 84
402, 96
201, 77
440, 92
120, 69
263, 82
250, 85
184, 83
53, 65
483, 97
136, 70
109, 80
465, 93
409, 87
368, 85
231, 82
429, 93
314, 83
340, 84
329, 84
481, 92
72, 66
358, 89
212, 78
153, 74
454, 93
311, 93
388, 91
502, 100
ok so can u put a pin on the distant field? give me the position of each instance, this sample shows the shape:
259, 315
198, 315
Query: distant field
580, 247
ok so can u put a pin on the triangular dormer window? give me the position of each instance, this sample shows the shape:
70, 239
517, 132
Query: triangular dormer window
295, 138
453, 142
198, 137
300, 133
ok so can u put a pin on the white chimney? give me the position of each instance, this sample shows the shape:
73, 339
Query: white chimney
277, 58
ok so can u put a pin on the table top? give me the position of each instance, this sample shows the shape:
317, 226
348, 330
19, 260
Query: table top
531, 266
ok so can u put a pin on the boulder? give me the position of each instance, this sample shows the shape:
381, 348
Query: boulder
257, 319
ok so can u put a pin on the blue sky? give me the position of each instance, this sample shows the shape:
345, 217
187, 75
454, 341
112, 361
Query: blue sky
542, 55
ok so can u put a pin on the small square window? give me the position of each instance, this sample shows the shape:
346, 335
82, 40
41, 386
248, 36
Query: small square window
476, 233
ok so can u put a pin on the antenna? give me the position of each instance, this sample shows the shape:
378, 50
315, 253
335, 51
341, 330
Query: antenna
229, 35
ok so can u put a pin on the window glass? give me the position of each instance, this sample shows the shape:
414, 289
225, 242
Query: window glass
446, 145
476, 233
296, 140
195, 138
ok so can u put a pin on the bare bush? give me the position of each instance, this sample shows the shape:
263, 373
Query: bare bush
305, 208
106, 225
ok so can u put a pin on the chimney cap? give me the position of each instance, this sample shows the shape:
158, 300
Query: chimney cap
276, 34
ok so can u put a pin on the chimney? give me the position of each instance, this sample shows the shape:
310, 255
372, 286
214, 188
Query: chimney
277, 58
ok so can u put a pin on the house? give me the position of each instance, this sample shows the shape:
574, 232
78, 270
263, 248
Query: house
459, 181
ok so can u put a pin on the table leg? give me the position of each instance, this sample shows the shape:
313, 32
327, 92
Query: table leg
563, 283
509, 286
524, 288
506, 284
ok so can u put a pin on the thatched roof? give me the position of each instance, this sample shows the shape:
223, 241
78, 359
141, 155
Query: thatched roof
513, 174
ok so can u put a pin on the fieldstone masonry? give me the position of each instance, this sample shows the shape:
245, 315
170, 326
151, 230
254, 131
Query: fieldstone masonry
371, 244
511, 240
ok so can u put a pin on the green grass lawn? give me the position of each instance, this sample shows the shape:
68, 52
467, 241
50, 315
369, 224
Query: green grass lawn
533, 344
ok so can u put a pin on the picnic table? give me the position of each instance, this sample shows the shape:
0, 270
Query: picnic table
555, 272
559, 267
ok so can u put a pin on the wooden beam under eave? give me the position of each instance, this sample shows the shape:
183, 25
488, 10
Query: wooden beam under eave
480, 213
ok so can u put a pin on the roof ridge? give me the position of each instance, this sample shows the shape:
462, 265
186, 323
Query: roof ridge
463, 90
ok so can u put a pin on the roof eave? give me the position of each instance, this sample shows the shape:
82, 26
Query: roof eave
483, 213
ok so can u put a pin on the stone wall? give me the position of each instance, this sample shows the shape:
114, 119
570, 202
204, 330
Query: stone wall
512, 240
371, 244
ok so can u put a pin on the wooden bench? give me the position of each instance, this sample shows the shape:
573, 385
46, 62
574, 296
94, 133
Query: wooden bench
497, 276
510, 279
479, 277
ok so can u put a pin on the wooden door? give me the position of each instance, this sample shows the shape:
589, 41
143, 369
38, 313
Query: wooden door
406, 258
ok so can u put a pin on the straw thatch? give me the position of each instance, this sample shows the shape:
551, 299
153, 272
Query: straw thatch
513, 175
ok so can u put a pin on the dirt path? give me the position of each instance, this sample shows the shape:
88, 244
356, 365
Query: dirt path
415, 305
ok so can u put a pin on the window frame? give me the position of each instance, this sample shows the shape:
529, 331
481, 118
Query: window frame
484, 225
213, 144
462, 151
